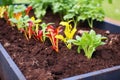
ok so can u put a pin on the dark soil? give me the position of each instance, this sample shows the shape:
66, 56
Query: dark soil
38, 61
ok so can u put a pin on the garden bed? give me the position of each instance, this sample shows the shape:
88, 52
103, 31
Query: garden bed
38, 61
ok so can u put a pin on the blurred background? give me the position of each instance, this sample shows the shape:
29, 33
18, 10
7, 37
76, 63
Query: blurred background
112, 11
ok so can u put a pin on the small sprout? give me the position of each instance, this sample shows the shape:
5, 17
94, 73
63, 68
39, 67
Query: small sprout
33, 27
52, 32
40, 34
69, 33
88, 42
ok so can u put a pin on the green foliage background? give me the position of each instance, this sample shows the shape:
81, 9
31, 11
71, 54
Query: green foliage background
111, 10
5, 2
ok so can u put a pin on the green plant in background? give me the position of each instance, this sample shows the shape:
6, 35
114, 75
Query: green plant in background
89, 10
112, 10
16, 11
69, 33
5, 2
77, 10
40, 7
110, 1
94, 11
88, 42
21, 1
62, 6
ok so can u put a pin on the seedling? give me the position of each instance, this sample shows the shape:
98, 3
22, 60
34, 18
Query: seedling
52, 32
69, 33
42, 33
88, 42
32, 27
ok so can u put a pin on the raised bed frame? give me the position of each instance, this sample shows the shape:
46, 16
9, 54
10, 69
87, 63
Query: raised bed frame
8, 69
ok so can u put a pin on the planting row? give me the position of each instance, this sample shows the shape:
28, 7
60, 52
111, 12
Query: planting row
31, 27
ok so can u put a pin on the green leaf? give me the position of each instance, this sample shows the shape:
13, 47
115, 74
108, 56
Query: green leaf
110, 1
13, 20
68, 16
78, 37
19, 8
83, 18
88, 42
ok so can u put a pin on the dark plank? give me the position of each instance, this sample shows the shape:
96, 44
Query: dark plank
8, 69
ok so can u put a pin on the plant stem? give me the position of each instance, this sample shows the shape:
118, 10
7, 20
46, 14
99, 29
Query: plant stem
90, 22
75, 22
